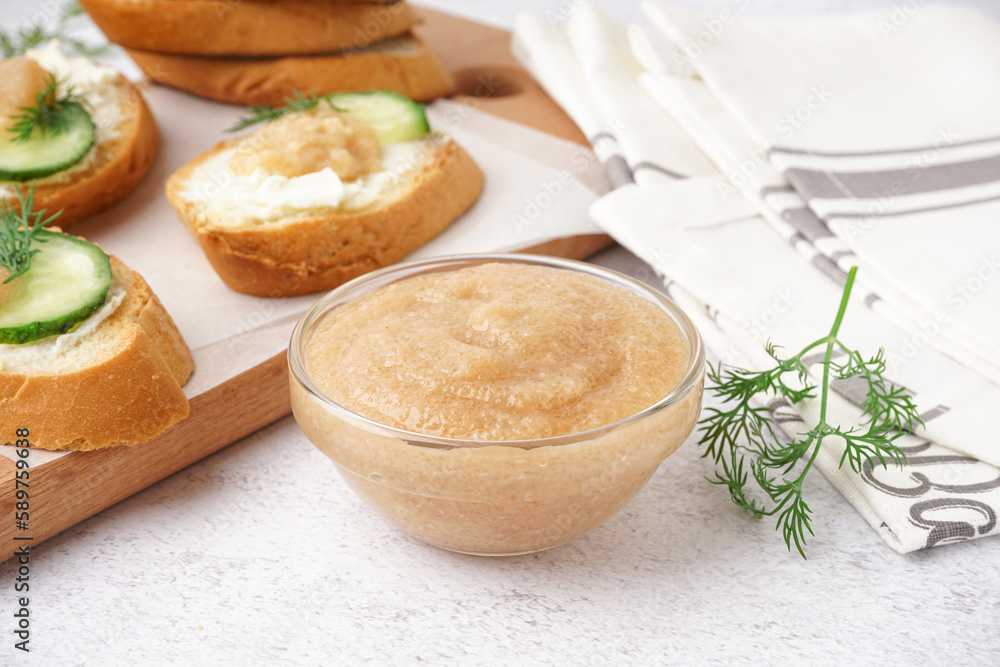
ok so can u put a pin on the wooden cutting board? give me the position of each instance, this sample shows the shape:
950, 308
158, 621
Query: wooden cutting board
64, 491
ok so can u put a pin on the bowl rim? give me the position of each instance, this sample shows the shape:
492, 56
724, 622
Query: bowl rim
412, 269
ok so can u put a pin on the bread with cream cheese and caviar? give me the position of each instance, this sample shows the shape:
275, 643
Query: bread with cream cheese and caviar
79, 130
253, 28
89, 358
401, 64
331, 188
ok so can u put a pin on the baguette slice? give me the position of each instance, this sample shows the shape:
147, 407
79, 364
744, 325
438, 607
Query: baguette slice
103, 179
400, 64
321, 249
120, 385
224, 27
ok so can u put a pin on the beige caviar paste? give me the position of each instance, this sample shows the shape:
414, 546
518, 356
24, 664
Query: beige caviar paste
309, 141
498, 352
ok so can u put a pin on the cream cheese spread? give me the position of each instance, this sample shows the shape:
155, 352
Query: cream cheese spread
47, 353
260, 198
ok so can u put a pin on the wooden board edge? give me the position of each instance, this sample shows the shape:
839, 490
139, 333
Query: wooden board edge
571, 247
64, 492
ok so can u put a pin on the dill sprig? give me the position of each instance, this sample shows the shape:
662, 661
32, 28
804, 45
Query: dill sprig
16, 42
48, 115
18, 230
265, 114
742, 436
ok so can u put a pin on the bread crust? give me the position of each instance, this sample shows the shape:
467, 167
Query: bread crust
322, 252
117, 170
224, 27
416, 73
125, 399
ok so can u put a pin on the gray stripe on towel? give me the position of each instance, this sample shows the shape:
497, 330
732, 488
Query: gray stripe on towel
893, 183
912, 211
830, 268
618, 171
655, 167
775, 189
805, 221
896, 151
936, 411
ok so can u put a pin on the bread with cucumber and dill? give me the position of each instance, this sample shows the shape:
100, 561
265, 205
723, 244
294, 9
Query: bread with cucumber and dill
329, 188
89, 358
79, 130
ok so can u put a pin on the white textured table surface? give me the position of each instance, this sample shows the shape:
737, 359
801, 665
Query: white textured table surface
261, 555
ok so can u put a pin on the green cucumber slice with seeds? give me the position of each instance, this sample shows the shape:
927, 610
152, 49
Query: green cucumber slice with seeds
68, 281
42, 156
394, 117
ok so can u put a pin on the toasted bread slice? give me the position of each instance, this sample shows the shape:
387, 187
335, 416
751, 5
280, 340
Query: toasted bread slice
126, 143
319, 249
400, 64
119, 384
224, 27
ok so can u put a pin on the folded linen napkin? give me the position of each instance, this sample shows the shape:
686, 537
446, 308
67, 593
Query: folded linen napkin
887, 130
708, 238
608, 113
749, 172
940, 495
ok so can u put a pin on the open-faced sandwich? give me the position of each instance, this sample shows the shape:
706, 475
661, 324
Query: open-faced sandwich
89, 358
79, 130
330, 188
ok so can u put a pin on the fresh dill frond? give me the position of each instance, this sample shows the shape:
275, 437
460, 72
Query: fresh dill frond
265, 114
18, 230
16, 42
48, 116
741, 435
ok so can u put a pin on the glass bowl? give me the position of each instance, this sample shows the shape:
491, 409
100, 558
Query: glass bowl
494, 497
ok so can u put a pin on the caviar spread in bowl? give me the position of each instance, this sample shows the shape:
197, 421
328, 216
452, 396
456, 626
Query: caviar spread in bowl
496, 404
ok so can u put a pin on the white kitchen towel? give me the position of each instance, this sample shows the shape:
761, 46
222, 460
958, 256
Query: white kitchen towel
886, 128
544, 50
749, 172
602, 47
590, 71
940, 495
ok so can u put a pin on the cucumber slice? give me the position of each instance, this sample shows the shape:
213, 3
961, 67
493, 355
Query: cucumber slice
67, 282
394, 117
45, 155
